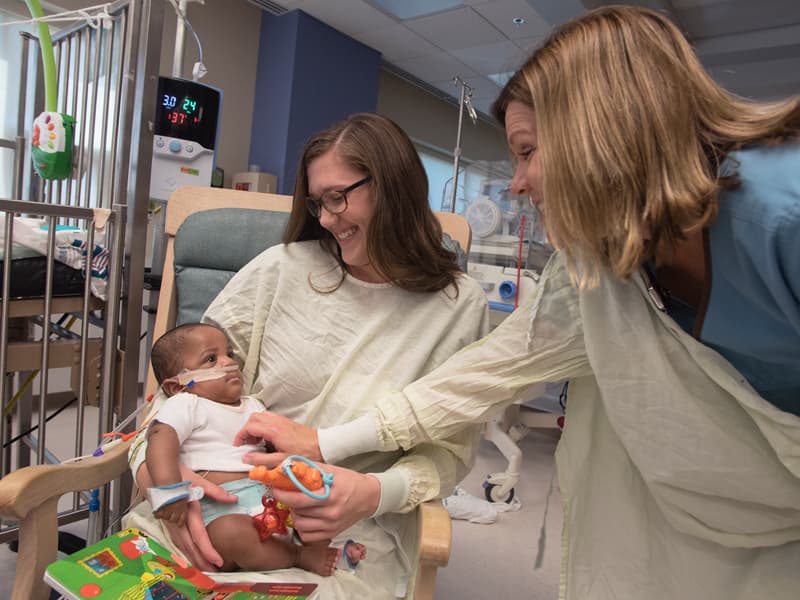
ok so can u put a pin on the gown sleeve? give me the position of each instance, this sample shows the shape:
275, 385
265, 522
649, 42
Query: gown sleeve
539, 342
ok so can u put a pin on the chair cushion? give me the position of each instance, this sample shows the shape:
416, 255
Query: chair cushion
206, 258
212, 245
455, 246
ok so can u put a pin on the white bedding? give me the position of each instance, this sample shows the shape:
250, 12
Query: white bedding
30, 239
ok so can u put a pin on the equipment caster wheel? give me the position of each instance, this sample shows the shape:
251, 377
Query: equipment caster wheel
491, 491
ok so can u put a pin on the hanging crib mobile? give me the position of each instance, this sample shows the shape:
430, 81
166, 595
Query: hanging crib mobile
52, 130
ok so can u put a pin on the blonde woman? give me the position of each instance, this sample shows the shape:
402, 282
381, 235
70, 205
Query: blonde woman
672, 305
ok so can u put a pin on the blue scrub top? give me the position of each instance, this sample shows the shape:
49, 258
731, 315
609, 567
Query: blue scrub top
753, 312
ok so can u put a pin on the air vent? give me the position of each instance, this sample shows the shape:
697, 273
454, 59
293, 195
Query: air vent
270, 7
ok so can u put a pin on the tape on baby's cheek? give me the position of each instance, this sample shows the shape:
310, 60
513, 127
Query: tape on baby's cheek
186, 377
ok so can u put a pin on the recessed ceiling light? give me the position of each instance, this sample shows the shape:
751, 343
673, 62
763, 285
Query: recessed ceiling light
518, 21
412, 9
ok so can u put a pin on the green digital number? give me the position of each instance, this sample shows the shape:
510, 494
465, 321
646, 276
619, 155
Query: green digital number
189, 105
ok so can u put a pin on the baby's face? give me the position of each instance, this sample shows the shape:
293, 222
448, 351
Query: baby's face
208, 347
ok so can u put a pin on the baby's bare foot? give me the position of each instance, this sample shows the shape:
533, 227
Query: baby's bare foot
355, 553
318, 559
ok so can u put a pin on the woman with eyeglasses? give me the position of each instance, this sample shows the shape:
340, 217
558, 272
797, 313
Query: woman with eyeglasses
360, 300
672, 305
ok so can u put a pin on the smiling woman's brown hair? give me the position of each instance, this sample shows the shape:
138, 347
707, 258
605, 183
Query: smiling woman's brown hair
632, 131
404, 239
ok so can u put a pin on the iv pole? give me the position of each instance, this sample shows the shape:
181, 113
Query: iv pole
464, 100
159, 207
181, 7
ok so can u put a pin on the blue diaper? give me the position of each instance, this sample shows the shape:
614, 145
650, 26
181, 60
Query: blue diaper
249, 492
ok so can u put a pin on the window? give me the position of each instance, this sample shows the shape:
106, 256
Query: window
439, 168
10, 66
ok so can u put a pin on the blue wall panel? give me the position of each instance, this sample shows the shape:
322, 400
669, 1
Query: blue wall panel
309, 76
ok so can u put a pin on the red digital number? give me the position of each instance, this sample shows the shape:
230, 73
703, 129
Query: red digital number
176, 118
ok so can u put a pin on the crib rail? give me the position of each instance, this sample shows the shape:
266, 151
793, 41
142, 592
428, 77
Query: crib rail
48, 344
106, 81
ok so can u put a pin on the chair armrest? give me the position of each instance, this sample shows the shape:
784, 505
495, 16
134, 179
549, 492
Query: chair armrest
435, 537
25, 489
31, 495
435, 533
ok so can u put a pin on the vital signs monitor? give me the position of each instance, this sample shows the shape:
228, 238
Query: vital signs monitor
184, 135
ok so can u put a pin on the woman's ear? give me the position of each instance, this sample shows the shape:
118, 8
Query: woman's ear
171, 386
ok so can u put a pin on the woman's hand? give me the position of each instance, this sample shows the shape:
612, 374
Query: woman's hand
354, 496
192, 538
285, 436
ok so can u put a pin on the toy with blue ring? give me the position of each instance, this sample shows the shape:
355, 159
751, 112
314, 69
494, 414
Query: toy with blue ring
295, 473
327, 478
287, 476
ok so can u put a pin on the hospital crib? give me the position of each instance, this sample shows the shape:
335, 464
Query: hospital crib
70, 328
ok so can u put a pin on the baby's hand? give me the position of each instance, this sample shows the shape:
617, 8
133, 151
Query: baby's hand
175, 512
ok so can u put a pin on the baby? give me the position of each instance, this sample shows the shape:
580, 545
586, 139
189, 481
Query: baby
196, 427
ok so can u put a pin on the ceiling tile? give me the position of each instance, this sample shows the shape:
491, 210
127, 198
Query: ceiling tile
412, 9
483, 87
397, 43
693, 3
483, 105
784, 71
348, 16
436, 67
502, 13
752, 46
491, 58
558, 11
528, 45
737, 16
456, 29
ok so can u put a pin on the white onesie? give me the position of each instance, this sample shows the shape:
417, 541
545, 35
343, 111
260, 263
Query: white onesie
206, 430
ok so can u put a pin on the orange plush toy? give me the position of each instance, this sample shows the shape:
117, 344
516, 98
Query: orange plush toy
294, 473
308, 477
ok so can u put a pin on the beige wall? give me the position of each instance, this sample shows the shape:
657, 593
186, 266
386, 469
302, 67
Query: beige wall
433, 121
229, 33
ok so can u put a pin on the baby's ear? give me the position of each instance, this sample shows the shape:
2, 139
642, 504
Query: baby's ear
171, 386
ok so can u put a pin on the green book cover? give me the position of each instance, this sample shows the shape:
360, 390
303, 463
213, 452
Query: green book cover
131, 566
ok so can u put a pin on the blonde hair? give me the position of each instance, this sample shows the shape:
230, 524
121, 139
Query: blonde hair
632, 131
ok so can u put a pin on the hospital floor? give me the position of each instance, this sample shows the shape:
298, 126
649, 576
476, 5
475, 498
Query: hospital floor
497, 560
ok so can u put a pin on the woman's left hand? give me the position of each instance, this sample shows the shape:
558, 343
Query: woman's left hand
284, 435
354, 496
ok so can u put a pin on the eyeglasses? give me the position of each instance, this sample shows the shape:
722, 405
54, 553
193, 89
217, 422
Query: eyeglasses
334, 201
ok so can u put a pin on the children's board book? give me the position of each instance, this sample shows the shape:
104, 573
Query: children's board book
131, 566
